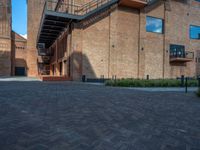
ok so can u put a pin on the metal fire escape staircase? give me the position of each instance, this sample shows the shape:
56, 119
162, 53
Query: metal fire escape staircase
57, 15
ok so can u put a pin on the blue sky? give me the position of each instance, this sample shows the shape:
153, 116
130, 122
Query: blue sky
19, 16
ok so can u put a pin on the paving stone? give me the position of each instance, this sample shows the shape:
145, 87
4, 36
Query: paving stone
75, 116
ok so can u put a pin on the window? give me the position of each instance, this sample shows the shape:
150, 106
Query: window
194, 32
155, 25
198, 0
177, 51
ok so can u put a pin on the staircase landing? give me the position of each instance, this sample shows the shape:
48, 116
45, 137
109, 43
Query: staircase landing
55, 78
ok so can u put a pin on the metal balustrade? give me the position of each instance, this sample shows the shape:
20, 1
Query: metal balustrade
181, 56
58, 14
43, 69
56, 18
66, 7
44, 52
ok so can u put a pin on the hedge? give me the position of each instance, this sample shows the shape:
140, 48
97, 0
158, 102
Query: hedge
149, 83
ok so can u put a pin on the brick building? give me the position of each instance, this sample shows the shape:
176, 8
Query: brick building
127, 38
19, 55
12, 45
106, 38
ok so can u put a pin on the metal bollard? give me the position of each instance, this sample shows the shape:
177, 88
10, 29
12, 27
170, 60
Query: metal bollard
102, 78
147, 77
115, 78
199, 82
83, 78
182, 80
186, 85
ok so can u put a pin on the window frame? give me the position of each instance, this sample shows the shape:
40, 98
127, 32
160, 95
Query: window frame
191, 32
163, 24
179, 49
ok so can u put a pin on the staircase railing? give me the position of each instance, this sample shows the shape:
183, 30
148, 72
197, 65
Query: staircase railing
185, 54
74, 9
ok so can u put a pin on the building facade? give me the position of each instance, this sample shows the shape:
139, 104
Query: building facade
19, 55
103, 39
12, 45
123, 39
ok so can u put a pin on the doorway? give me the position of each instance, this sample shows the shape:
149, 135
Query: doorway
61, 68
20, 71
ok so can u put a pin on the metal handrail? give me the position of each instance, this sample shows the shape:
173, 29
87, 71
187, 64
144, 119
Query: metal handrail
44, 52
74, 9
41, 20
77, 9
186, 54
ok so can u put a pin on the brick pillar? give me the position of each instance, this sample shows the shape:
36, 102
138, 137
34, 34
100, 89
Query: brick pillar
76, 53
34, 16
141, 48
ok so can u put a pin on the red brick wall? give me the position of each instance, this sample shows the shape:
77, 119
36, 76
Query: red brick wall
5, 38
35, 8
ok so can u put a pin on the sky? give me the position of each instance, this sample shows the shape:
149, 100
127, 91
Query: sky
154, 25
19, 17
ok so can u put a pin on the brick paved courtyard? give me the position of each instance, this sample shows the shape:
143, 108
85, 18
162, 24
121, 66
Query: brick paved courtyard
73, 116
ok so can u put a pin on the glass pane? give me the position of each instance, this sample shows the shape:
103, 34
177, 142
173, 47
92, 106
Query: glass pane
177, 50
154, 25
194, 32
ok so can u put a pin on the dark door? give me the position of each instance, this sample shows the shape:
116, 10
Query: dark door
20, 71
61, 68
53, 69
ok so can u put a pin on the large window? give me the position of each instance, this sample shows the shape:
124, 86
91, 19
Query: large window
177, 51
195, 32
155, 25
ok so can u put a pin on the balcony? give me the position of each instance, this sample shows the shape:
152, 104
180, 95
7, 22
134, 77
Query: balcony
43, 69
181, 57
134, 3
44, 52
44, 59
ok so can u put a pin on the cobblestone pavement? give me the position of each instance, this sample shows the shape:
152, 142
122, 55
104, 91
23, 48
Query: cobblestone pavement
75, 116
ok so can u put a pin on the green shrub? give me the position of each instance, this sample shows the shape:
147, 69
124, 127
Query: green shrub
193, 83
149, 83
198, 92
